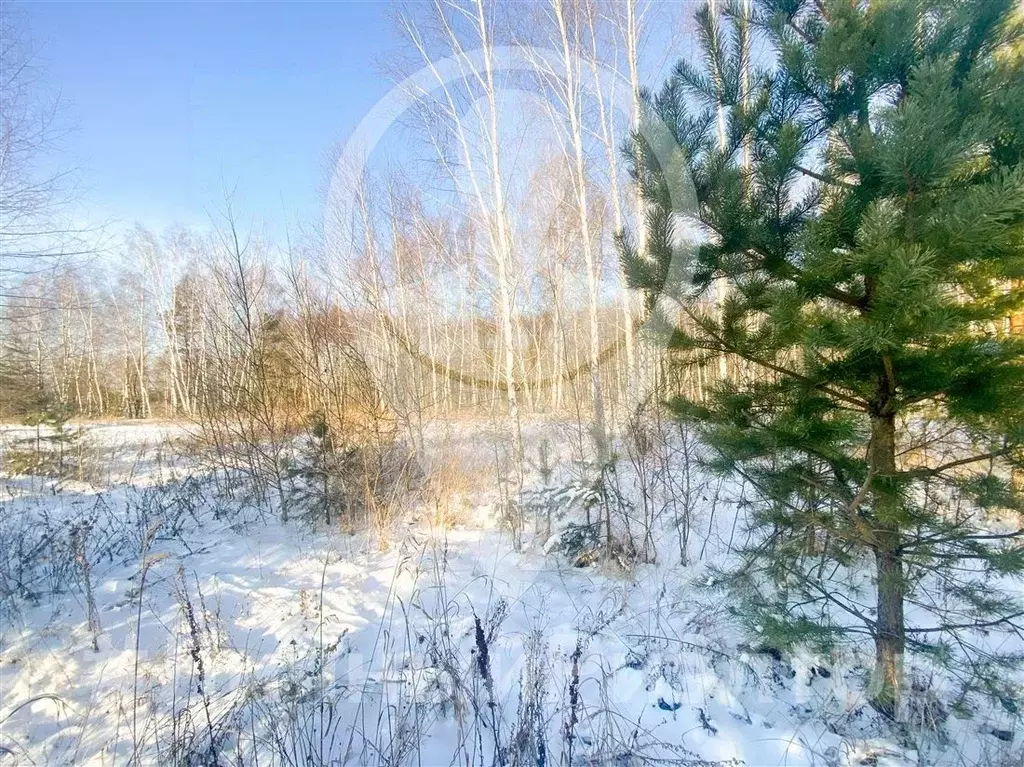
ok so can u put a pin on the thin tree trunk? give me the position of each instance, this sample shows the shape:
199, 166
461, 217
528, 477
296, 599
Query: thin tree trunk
890, 638
722, 292
569, 48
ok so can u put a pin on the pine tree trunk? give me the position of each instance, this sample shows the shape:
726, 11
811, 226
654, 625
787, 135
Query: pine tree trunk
890, 637
1017, 328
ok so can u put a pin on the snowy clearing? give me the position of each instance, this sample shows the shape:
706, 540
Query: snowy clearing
224, 636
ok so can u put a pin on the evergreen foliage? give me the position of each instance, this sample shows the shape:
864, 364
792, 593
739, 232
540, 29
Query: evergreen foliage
854, 196
322, 474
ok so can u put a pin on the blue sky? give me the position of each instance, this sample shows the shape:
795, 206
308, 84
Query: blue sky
172, 103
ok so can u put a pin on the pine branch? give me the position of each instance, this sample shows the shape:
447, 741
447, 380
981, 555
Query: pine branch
787, 271
960, 626
959, 537
803, 35
825, 179
829, 596
932, 472
725, 348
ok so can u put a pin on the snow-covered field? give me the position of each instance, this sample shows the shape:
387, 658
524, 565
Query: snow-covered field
220, 635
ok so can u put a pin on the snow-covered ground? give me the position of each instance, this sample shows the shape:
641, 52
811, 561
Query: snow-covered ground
222, 636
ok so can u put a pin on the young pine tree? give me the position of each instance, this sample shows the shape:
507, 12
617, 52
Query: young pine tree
858, 192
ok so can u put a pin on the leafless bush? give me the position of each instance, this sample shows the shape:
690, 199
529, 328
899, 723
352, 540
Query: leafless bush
48, 551
79, 540
528, 741
448, 489
572, 717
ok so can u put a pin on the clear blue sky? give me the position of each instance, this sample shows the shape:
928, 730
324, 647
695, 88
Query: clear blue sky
173, 102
